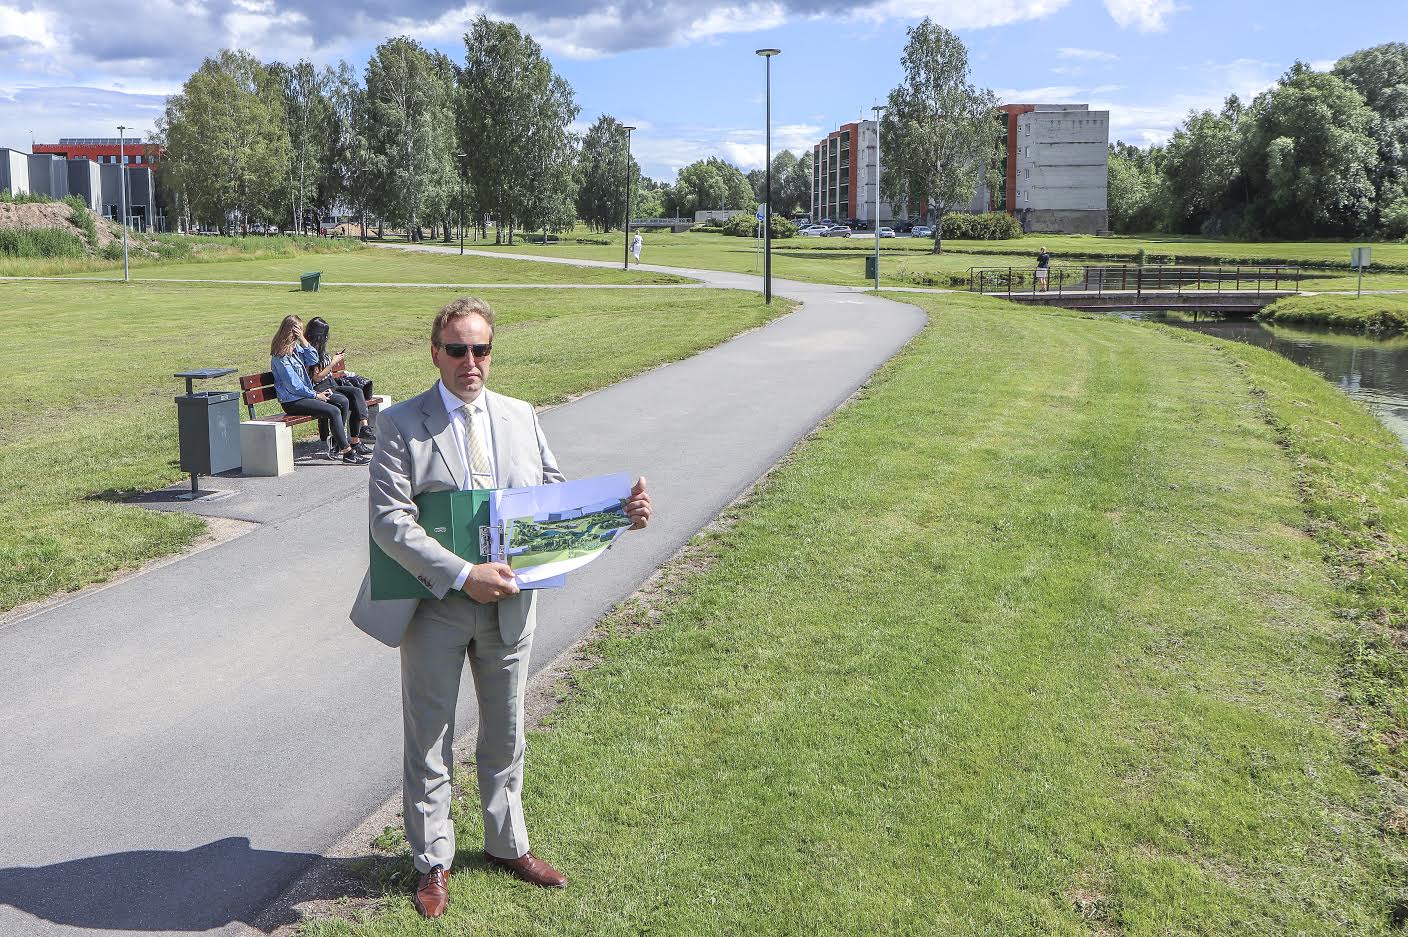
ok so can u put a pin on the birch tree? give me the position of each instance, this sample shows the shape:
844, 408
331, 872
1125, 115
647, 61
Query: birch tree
938, 127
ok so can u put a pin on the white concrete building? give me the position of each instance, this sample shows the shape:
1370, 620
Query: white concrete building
1058, 168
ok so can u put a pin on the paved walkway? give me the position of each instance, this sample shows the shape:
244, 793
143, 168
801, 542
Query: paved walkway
180, 745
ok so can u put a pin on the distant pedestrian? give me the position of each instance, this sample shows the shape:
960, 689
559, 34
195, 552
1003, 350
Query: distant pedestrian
1043, 269
635, 246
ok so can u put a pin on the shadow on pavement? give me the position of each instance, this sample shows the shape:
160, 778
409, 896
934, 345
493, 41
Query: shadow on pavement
164, 890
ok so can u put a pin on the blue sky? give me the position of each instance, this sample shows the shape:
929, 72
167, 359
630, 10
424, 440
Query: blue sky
683, 71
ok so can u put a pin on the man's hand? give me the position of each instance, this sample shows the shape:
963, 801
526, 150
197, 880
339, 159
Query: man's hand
324, 395
638, 505
489, 582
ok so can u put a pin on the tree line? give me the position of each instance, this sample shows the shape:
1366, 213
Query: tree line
418, 140
1319, 154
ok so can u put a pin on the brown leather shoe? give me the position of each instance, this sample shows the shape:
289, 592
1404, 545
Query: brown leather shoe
531, 869
431, 895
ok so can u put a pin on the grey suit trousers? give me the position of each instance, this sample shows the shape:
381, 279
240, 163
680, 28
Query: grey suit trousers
440, 638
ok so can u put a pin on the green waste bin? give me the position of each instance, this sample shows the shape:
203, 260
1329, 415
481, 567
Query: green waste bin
870, 261
310, 282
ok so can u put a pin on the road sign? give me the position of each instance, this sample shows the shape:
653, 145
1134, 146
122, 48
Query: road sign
762, 212
1359, 258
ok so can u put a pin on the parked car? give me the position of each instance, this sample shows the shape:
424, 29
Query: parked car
827, 221
922, 231
856, 224
837, 231
813, 231
904, 227
886, 232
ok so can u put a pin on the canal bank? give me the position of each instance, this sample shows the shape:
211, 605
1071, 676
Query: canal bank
1372, 370
1372, 312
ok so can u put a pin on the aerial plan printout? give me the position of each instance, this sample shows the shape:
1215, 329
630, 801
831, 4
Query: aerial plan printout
546, 531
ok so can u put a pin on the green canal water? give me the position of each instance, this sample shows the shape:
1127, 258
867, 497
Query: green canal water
1373, 371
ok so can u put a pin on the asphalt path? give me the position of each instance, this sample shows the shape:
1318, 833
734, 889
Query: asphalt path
180, 745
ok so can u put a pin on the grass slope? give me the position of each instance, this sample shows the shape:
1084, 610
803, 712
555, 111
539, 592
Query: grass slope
88, 390
1031, 639
148, 252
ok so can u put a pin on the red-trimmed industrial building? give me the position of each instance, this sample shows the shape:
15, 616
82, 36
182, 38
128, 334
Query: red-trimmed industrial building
105, 150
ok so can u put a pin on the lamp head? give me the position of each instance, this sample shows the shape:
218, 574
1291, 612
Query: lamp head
627, 128
768, 53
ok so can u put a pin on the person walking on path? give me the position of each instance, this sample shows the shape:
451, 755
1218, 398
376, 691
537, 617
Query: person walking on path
1043, 269
290, 356
635, 246
460, 435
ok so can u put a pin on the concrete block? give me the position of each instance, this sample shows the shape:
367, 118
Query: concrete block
265, 448
375, 408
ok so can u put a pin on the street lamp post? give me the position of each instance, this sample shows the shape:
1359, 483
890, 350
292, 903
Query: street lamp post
767, 55
626, 258
877, 109
122, 195
463, 175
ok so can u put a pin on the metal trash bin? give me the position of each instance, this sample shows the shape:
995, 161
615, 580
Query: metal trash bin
310, 281
208, 426
870, 260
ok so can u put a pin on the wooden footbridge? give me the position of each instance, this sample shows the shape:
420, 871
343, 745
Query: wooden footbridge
1234, 291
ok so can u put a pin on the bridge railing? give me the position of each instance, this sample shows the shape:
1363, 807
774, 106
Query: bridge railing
1100, 278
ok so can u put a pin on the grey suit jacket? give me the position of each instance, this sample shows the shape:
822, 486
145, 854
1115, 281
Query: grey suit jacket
416, 452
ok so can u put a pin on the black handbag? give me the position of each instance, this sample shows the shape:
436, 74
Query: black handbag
364, 384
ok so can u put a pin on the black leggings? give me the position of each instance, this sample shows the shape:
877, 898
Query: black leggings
356, 407
333, 411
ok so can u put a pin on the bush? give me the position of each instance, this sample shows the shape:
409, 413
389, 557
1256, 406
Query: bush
1395, 219
82, 219
40, 242
989, 226
746, 226
24, 198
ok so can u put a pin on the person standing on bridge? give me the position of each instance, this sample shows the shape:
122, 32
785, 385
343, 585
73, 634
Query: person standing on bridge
635, 246
1043, 269
459, 435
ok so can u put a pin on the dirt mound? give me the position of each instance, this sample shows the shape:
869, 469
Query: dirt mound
55, 215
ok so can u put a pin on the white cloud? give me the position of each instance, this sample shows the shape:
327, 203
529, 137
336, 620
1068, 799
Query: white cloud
32, 26
1051, 94
960, 14
1147, 16
1087, 55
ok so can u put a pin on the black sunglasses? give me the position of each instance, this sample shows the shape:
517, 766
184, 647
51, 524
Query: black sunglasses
460, 349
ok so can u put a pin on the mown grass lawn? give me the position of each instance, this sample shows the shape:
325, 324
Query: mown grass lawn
85, 375
1035, 637
907, 260
381, 265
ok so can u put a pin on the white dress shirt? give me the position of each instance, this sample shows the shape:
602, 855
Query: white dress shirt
480, 414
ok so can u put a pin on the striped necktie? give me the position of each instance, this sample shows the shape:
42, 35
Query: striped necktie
481, 474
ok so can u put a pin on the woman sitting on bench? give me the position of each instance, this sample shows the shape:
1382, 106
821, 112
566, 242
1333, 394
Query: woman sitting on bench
290, 356
356, 388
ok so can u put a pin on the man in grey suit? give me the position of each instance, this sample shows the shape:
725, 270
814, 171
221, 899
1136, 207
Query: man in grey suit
459, 435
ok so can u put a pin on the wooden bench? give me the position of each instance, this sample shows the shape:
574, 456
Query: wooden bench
266, 442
